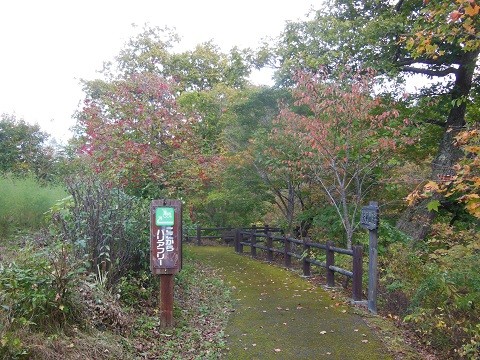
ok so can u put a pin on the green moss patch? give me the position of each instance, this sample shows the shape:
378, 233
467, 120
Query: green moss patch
279, 315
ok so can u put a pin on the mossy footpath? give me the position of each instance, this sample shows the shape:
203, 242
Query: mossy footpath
279, 315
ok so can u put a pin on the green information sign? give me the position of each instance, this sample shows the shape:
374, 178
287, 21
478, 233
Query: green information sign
164, 216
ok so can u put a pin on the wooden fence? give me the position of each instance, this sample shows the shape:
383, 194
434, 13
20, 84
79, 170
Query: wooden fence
226, 234
265, 238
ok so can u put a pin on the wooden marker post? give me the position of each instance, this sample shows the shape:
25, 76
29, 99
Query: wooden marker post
166, 251
369, 220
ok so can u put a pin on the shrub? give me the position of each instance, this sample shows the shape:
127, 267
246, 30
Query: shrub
35, 292
440, 280
107, 227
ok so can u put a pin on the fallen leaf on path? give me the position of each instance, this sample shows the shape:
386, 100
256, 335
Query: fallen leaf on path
277, 350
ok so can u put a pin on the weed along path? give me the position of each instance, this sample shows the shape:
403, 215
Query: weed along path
279, 315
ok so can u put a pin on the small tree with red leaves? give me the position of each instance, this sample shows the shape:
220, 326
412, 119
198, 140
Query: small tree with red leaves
345, 133
133, 132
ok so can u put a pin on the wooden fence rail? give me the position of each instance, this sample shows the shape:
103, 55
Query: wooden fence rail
264, 241
264, 237
226, 234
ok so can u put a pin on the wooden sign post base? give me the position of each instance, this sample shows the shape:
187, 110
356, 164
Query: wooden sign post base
166, 300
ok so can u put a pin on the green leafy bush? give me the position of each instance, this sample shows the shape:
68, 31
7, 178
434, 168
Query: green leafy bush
135, 288
441, 284
107, 227
35, 292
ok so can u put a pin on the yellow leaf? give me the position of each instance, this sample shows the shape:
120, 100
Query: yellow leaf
430, 186
472, 11
473, 149
472, 197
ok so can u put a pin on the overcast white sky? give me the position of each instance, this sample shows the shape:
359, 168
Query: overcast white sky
48, 45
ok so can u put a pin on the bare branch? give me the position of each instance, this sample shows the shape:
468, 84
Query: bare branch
430, 72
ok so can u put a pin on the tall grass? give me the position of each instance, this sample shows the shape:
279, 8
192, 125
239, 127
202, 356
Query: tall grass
23, 202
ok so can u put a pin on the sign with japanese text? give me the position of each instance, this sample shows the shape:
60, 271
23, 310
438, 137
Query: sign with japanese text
165, 236
369, 217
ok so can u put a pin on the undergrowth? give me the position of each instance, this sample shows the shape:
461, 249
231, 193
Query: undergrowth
202, 306
52, 308
435, 288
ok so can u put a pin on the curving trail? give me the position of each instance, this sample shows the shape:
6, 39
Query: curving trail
279, 315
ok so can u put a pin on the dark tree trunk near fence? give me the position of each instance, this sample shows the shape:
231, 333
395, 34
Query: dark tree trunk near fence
416, 220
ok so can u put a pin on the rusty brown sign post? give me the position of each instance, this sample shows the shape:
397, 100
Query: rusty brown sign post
166, 251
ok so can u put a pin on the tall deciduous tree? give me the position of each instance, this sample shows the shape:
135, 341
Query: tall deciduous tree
204, 67
436, 39
343, 136
444, 39
133, 131
23, 147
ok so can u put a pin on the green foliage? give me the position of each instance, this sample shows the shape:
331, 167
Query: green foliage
202, 303
151, 51
327, 225
107, 227
441, 282
35, 289
21, 146
35, 292
23, 202
135, 288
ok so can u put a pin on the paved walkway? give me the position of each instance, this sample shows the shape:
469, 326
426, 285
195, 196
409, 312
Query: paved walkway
280, 315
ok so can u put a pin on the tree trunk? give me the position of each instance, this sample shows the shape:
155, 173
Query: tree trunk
416, 219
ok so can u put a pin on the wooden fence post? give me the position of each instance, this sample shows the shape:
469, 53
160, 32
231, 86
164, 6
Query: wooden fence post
199, 235
240, 240
269, 247
236, 240
253, 241
330, 261
287, 257
373, 271
306, 263
357, 272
